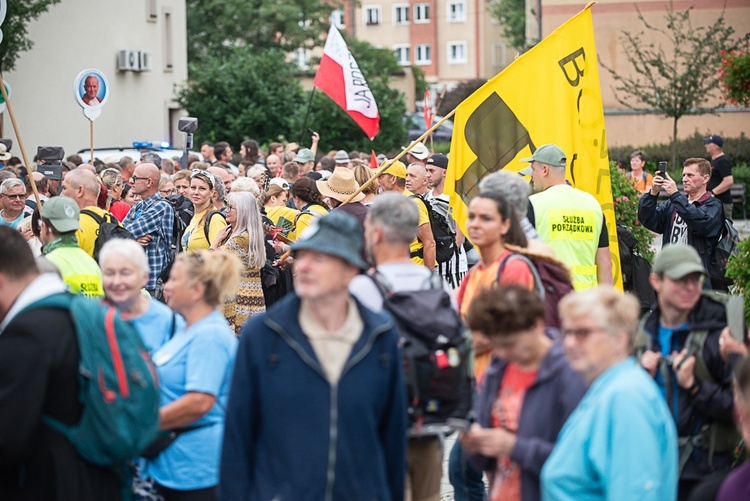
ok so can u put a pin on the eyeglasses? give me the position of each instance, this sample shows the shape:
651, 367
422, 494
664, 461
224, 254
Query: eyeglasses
206, 176
230, 207
166, 193
15, 197
580, 334
134, 179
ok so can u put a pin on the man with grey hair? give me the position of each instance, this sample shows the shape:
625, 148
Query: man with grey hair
516, 191
150, 157
390, 227
223, 187
167, 166
13, 194
83, 186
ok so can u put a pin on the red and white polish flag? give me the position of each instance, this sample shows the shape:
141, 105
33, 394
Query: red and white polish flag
340, 78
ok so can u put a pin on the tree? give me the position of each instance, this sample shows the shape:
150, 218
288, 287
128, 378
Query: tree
511, 14
245, 94
338, 130
454, 97
678, 80
15, 36
214, 27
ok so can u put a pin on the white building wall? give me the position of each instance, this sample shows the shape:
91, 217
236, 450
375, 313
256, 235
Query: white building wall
79, 34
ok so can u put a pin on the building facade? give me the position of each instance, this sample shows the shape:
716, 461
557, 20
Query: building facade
139, 46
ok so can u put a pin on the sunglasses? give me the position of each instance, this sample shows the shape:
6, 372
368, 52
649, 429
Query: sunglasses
15, 197
206, 176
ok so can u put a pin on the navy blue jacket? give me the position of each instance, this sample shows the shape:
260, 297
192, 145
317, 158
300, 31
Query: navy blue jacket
548, 402
289, 434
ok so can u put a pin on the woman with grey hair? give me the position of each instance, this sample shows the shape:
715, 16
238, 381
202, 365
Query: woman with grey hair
125, 273
621, 441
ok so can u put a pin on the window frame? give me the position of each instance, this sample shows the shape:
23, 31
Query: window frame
422, 62
449, 53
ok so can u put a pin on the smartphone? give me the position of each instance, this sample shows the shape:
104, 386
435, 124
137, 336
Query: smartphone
311, 132
735, 317
662, 170
461, 425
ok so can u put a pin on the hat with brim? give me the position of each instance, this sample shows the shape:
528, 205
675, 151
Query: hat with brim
548, 154
336, 234
342, 157
397, 169
4, 154
678, 261
419, 151
713, 138
340, 186
62, 213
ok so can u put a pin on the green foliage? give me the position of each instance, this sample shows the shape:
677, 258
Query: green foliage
420, 83
625, 198
246, 94
511, 14
215, 27
739, 271
735, 77
15, 35
454, 97
339, 131
677, 79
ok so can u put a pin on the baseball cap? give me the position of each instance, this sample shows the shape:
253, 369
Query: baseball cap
438, 160
342, 157
280, 182
397, 169
304, 155
713, 138
677, 261
335, 234
549, 154
419, 151
62, 213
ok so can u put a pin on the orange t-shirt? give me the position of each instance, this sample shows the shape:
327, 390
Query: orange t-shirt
639, 183
506, 412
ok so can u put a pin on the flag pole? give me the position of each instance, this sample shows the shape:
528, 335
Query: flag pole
388, 163
307, 113
29, 167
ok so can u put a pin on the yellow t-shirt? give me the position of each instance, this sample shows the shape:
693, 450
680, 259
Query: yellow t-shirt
282, 218
304, 220
194, 237
424, 218
90, 228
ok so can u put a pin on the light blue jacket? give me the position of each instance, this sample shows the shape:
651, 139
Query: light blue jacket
619, 444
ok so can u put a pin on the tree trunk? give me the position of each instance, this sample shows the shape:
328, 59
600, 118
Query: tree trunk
674, 143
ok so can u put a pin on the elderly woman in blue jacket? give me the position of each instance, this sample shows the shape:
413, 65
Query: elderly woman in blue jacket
529, 390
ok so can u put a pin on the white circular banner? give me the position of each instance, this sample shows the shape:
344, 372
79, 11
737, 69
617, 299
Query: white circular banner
92, 91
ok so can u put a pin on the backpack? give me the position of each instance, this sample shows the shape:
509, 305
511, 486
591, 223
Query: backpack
109, 228
444, 235
551, 280
182, 216
723, 250
207, 222
119, 386
436, 352
635, 269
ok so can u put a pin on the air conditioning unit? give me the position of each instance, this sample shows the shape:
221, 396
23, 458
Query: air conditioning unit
127, 60
145, 63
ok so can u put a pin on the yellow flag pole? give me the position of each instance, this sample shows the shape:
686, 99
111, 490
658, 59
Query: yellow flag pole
29, 167
406, 150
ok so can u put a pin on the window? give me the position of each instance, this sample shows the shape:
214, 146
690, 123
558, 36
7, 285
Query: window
372, 15
499, 58
400, 14
423, 54
457, 12
456, 52
152, 13
422, 13
168, 42
302, 58
337, 19
402, 54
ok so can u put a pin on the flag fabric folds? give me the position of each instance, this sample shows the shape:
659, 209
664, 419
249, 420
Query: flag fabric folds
339, 77
551, 94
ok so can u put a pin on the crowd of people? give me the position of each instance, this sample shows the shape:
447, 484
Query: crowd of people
277, 292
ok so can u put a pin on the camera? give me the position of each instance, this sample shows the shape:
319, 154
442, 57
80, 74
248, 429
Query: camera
50, 161
188, 124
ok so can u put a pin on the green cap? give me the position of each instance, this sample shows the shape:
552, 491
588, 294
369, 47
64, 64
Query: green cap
304, 155
549, 154
62, 213
677, 261
336, 234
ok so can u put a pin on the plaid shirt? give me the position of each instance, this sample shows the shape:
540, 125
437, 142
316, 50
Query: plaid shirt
153, 216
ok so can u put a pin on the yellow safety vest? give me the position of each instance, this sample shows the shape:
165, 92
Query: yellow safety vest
570, 221
78, 270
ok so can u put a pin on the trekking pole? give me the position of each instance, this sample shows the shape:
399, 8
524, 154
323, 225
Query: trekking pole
406, 150
29, 167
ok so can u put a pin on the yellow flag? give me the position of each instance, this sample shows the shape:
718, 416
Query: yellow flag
551, 94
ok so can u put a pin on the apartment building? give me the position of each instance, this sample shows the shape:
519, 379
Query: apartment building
450, 40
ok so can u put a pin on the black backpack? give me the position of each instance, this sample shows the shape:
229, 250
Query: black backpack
183, 213
723, 250
436, 352
109, 228
635, 269
445, 237
207, 222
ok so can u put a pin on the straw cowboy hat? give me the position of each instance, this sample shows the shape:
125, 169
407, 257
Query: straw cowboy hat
340, 186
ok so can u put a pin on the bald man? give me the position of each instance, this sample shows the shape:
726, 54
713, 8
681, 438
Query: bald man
151, 221
83, 186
